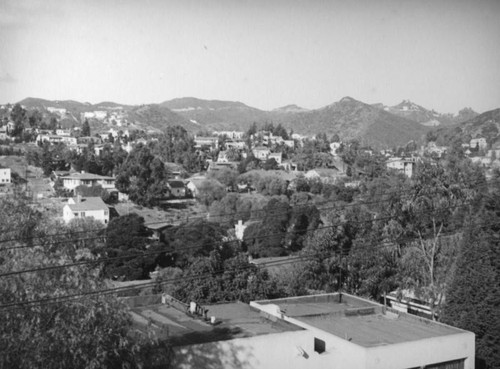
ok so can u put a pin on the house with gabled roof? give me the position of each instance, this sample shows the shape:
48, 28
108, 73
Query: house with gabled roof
72, 181
325, 175
85, 207
261, 152
177, 188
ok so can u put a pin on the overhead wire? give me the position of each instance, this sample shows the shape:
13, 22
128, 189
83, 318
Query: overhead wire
252, 213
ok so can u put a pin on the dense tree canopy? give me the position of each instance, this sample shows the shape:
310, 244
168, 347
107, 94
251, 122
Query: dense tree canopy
89, 331
473, 296
127, 236
143, 177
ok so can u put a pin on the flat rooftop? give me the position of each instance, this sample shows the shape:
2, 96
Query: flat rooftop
233, 320
358, 320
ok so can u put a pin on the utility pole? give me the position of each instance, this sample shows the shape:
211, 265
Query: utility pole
340, 278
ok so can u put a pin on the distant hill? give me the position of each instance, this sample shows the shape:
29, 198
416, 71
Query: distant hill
147, 117
376, 125
290, 109
216, 114
486, 125
429, 118
70, 105
350, 118
159, 117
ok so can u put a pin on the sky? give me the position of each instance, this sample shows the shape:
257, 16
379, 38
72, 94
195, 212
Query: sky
441, 54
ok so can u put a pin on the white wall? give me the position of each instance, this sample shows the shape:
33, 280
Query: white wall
423, 352
5, 175
267, 351
100, 215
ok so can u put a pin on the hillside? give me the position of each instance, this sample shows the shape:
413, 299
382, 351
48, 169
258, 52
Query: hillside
350, 119
159, 117
485, 125
216, 114
290, 109
430, 118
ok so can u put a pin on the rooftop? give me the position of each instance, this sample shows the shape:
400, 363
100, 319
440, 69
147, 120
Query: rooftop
88, 204
234, 320
86, 176
360, 321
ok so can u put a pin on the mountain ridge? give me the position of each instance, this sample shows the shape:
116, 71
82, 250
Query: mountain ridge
373, 124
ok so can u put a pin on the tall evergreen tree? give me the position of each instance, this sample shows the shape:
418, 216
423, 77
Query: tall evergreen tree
86, 128
473, 298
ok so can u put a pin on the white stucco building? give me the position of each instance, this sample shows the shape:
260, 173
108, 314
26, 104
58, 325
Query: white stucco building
74, 180
404, 165
5, 176
84, 207
307, 332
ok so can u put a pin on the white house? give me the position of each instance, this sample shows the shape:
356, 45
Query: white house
238, 145
480, 143
74, 180
177, 188
325, 175
194, 183
277, 156
55, 139
307, 332
206, 141
404, 165
5, 177
59, 111
334, 146
3, 134
261, 152
83, 207
63, 132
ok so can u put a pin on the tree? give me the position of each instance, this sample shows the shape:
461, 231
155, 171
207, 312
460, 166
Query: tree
266, 238
86, 332
209, 191
143, 177
270, 164
18, 116
197, 238
86, 128
127, 236
473, 296
439, 202
177, 146
234, 279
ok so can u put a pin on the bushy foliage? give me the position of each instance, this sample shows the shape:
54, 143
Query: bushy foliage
128, 239
89, 331
212, 279
143, 177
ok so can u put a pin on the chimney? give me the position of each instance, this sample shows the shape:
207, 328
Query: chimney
78, 199
192, 307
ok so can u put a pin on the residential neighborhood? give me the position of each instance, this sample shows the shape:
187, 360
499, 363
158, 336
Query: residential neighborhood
249, 185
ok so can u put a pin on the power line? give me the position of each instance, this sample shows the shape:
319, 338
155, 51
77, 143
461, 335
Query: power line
158, 283
299, 206
58, 299
158, 252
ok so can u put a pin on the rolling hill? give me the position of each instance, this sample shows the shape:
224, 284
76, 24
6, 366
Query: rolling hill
485, 125
376, 125
216, 114
426, 117
350, 119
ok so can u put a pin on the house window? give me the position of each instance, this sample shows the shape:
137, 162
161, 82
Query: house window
75, 214
83, 213
319, 345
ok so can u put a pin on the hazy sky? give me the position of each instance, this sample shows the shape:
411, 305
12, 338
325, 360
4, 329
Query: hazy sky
440, 54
